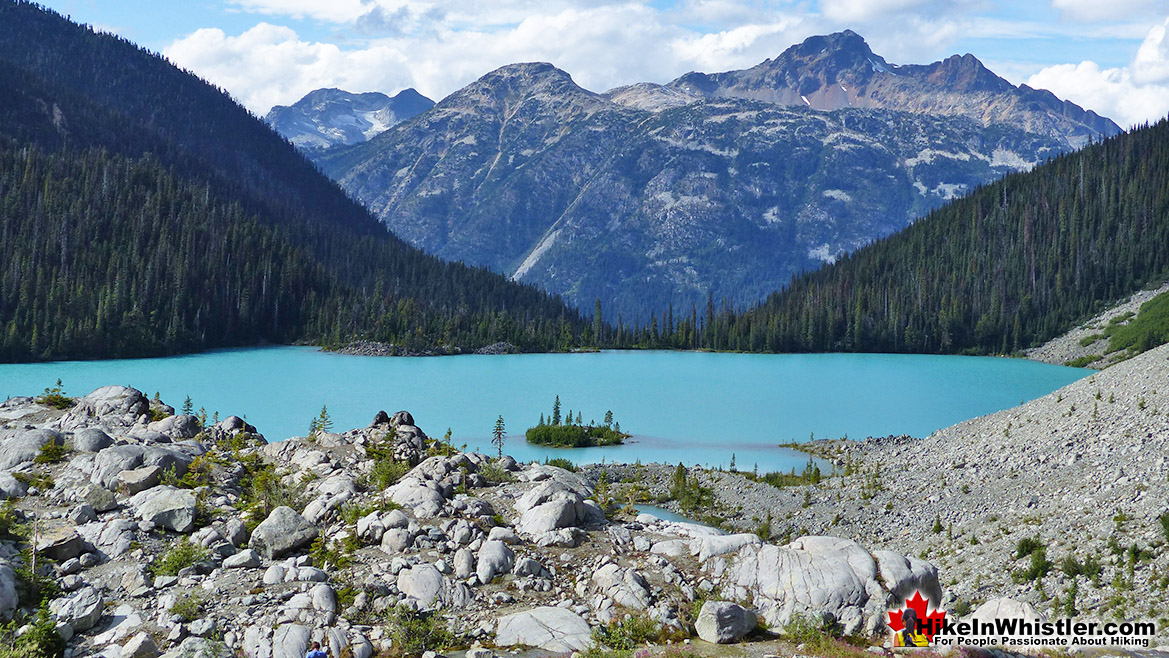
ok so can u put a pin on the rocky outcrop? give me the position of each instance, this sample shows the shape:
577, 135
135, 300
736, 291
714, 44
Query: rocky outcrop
823, 575
553, 629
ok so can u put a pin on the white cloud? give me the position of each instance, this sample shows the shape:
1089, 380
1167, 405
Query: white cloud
1128, 95
269, 65
1151, 64
438, 46
1112, 10
334, 11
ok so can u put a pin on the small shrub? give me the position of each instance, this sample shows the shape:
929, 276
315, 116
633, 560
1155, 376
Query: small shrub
10, 526
55, 397
1027, 546
180, 556
816, 633
561, 462
496, 474
188, 607
628, 633
41, 640
414, 633
51, 453
938, 528
1038, 568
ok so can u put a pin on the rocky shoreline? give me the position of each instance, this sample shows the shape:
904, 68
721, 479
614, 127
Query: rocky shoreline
374, 348
159, 533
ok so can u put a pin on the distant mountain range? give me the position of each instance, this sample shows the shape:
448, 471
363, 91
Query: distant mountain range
332, 117
718, 186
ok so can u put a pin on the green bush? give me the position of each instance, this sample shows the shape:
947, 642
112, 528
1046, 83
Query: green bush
414, 633
180, 556
41, 640
574, 436
628, 633
817, 633
55, 397
51, 453
560, 462
10, 526
495, 474
188, 607
1027, 546
1147, 330
1038, 568
264, 490
809, 475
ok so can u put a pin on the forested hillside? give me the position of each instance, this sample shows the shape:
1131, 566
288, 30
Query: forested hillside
142, 211
1014, 263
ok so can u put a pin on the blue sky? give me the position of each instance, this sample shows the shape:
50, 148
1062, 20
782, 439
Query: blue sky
1112, 56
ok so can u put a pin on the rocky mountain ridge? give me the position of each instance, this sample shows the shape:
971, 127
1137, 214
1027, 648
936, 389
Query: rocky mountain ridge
332, 117
650, 197
837, 71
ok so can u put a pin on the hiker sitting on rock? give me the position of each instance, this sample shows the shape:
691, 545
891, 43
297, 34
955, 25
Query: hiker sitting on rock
316, 652
907, 636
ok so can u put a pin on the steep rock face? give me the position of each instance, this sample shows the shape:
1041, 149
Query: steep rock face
331, 117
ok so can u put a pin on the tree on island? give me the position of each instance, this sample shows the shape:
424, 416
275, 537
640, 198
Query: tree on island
497, 435
609, 418
573, 433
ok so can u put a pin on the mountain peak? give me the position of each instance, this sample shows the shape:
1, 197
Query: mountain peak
328, 117
508, 87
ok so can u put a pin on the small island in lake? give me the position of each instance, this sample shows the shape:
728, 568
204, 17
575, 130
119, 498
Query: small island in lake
573, 433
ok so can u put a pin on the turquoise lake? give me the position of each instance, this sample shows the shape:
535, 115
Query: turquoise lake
696, 408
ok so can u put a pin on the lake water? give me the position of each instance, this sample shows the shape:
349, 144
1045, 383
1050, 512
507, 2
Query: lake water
696, 408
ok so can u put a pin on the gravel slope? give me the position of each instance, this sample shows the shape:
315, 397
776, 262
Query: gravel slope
1061, 349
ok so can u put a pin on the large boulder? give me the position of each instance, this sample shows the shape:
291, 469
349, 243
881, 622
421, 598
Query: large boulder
137, 480
815, 575
283, 532
91, 439
625, 586
118, 404
290, 641
112, 461
80, 610
10, 487
178, 427
553, 629
60, 543
722, 622
168, 507
1006, 608
8, 596
20, 446
904, 575
558, 500
140, 646
423, 583
414, 494
495, 559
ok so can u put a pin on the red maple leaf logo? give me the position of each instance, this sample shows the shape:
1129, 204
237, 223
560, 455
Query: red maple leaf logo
931, 622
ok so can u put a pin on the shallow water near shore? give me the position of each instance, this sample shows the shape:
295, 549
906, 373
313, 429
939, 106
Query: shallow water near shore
690, 407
